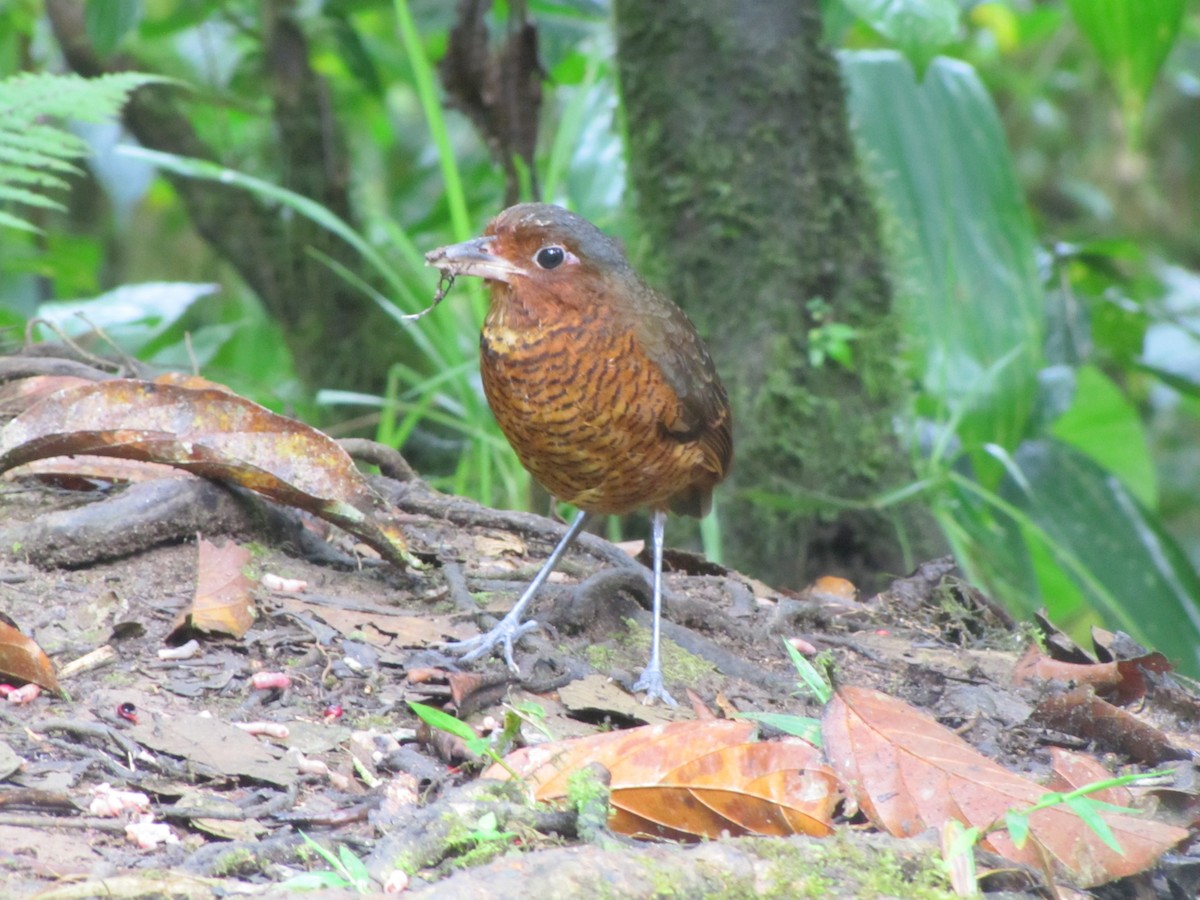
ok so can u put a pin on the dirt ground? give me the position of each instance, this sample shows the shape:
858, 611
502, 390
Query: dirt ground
358, 772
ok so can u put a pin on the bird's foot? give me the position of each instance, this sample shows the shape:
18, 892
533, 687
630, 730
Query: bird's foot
652, 683
506, 633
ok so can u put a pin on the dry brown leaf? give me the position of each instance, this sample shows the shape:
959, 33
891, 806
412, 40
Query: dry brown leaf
496, 545
92, 472
775, 787
194, 382
1071, 771
1037, 666
212, 433
1081, 712
547, 766
391, 630
1121, 681
223, 603
908, 773
687, 780
22, 658
17, 396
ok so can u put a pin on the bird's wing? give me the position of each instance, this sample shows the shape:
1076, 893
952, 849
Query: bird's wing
669, 339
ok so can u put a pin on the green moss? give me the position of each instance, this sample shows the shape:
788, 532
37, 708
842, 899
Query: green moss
677, 663
601, 657
238, 861
844, 868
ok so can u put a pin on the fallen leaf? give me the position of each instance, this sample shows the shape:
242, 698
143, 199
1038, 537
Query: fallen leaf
223, 603
213, 747
691, 780
1072, 771
1037, 666
908, 773
23, 659
1121, 681
1080, 712
495, 545
213, 433
381, 629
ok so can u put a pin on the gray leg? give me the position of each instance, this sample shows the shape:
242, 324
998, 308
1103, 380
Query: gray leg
510, 629
652, 681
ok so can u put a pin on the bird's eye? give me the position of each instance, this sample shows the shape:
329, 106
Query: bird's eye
550, 257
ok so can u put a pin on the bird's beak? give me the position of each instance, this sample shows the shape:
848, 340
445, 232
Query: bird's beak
473, 257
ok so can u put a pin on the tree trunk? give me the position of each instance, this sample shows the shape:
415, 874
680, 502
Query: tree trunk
759, 224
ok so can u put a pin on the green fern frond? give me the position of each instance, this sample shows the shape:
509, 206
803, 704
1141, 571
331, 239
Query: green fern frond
35, 153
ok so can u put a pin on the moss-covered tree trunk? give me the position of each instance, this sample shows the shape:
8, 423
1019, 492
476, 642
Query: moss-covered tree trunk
758, 223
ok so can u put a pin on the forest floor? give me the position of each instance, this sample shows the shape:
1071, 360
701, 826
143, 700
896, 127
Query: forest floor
355, 770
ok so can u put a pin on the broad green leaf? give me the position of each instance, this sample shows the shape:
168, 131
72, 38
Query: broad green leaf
1064, 534
108, 22
1115, 550
1132, 38
961, 240
131, 316
1105, 425
315, 881
918, 28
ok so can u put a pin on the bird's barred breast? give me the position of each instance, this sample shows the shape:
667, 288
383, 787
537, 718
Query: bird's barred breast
583, 408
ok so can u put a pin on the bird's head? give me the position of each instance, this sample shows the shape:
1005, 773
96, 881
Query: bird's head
535, 245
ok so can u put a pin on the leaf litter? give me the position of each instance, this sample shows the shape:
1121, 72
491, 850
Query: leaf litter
332, 745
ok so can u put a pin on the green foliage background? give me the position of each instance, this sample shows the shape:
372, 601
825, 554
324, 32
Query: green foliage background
1032, 163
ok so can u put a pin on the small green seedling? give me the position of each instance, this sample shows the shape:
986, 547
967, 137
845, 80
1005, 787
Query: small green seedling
487, 831
348, 871
958, 842
445, 722
812, 682
1078, 801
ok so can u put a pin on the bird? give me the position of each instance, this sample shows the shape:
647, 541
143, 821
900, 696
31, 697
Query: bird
601, 384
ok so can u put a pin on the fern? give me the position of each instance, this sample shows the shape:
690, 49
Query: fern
36, 154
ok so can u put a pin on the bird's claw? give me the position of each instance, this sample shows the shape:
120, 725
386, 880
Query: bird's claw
652, 683
504, 633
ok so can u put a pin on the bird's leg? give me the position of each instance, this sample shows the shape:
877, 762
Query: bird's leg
652, 680
510, 629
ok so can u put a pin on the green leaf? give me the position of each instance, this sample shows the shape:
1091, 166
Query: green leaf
314, 881
108, 22
325, 854
355, 867
1105, 425
815, 683
1087, 810
1017, 823
132, 315
1115, 550
919, 28
961, 241
435, 718
34, 148
1132, 39
799, 726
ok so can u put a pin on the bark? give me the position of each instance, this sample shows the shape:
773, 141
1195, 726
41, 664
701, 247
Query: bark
759, 224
